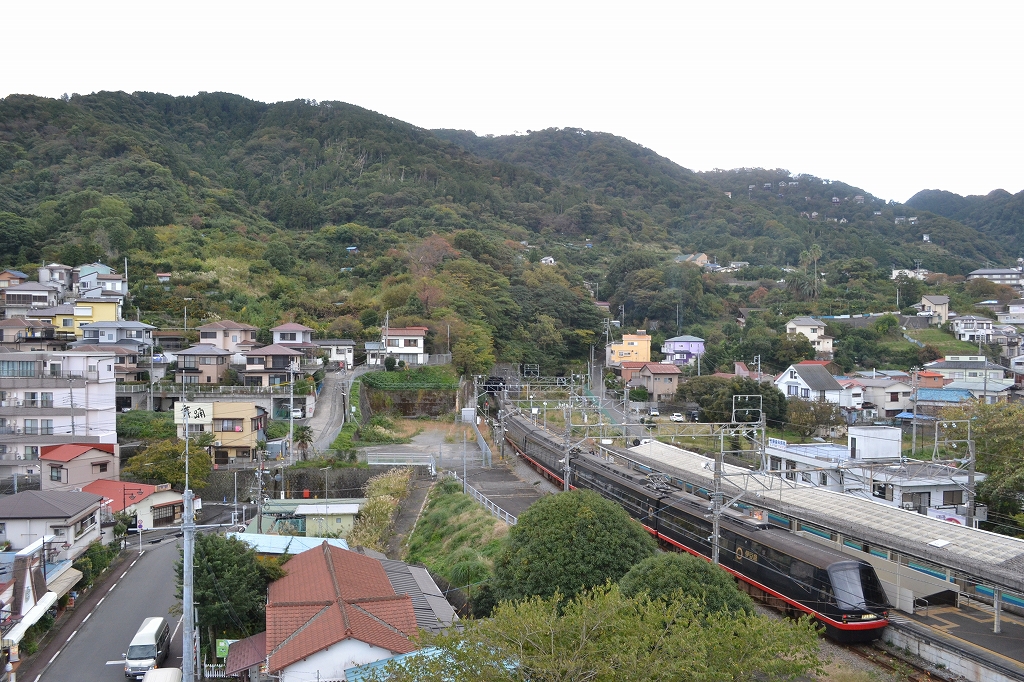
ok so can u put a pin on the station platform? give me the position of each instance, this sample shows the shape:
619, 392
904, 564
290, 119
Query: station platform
968, 627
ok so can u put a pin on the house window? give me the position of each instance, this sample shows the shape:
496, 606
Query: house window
894, 397
55, 474
393, 343
791, 389
234, 338
99, 467
190, 379
46, 427
822, 478
792, 374
45, 400
32, 427
791, 470
287, 336
196, 428
207, 335
67, 322
805, 477
805, 393
952, 497
234, 425
775, 464
85, 524
254, 361
31, 452
412, 343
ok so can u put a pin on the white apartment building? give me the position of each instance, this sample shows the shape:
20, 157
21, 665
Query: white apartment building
52, 398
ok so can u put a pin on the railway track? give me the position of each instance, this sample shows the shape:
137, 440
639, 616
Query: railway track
900, 667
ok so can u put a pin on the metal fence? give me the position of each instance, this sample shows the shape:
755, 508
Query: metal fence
401, 459
482, 499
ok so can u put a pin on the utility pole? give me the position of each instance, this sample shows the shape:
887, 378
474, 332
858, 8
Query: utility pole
913, 423
71, 403
291, 409
188, 526
716, 502
970, 475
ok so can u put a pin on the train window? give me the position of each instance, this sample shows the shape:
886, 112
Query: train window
802, 573
847, 585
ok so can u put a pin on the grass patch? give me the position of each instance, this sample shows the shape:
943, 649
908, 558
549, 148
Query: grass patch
455, 537
439, 378
942, 341
376, 518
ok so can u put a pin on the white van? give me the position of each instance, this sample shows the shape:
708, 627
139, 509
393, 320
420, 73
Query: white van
163, 675
149, 647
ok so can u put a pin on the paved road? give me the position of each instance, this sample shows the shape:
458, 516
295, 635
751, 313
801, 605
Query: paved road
95, 650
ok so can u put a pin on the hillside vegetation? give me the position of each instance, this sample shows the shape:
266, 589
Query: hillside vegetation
334, 216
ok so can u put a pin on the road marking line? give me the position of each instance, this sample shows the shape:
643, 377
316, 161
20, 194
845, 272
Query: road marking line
70, 636
132, 563
100, 601
38, 676
121, 662
112, 587
53, 659
87, 617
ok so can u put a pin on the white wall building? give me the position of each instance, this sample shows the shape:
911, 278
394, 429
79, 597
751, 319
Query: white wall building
809, 382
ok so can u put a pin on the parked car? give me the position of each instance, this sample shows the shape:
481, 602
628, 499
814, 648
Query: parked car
654, 412
297, 414
676, 417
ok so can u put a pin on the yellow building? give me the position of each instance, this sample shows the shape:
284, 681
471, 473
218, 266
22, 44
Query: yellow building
236, 426
70, 317
632, 348
328, 520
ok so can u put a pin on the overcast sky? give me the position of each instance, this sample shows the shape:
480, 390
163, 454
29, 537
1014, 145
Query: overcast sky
892, 97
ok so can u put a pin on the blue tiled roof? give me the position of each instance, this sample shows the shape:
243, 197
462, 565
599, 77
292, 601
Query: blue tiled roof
360, 673
943, 395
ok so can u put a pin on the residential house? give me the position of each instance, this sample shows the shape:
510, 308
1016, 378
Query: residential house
73, 517
154, 506
700, 259
1008, 338
888, 396
170, 339
931, 401
137, 336
973, 329
246, 657
339, 351
627, 370
325, 519
374, 353
406, 343
74, 316
660, 380
58, 276
870, 465
295, 336
851, 399
1013, 277
201, 364
234, 337
23, 334
928, 379
12, 278
632, 348
269, 365
84, 271
20, 299
547, 260
954, 367
938, 306
1014, 313
126, 362
75, 465
334, 609
236, 427
809, 382
919, 274
833, 368
163, 277
683, 350
101, 284
989, 391
53, 398
814, 331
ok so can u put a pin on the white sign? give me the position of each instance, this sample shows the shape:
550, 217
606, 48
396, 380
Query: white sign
777, 443
198, 413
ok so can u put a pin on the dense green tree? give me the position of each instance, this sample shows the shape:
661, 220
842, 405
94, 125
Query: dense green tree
811, 416
602, 635
715, 397
229, 586
567, 543
164, 461
664, 575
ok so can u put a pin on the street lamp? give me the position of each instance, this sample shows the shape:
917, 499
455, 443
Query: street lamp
124, 509
186, 313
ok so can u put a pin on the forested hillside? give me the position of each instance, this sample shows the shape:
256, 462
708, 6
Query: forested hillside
997, 213
334, 216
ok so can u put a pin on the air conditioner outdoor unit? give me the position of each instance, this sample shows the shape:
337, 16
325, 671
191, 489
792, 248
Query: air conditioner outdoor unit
18, 403
216, 443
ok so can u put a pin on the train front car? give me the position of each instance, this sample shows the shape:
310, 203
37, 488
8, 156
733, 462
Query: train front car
855, 606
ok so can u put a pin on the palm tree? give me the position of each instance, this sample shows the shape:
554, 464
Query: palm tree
303, 438
814, 254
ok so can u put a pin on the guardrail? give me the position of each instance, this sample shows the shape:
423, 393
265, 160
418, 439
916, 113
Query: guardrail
482, 499
401, 459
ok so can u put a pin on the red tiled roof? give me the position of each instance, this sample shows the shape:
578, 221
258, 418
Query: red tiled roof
68, 451
814, 362
246, 653
120, 493
632, 364
330, 595
274, 349
291, 327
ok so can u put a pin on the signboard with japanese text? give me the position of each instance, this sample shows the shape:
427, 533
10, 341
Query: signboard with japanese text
198, 413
